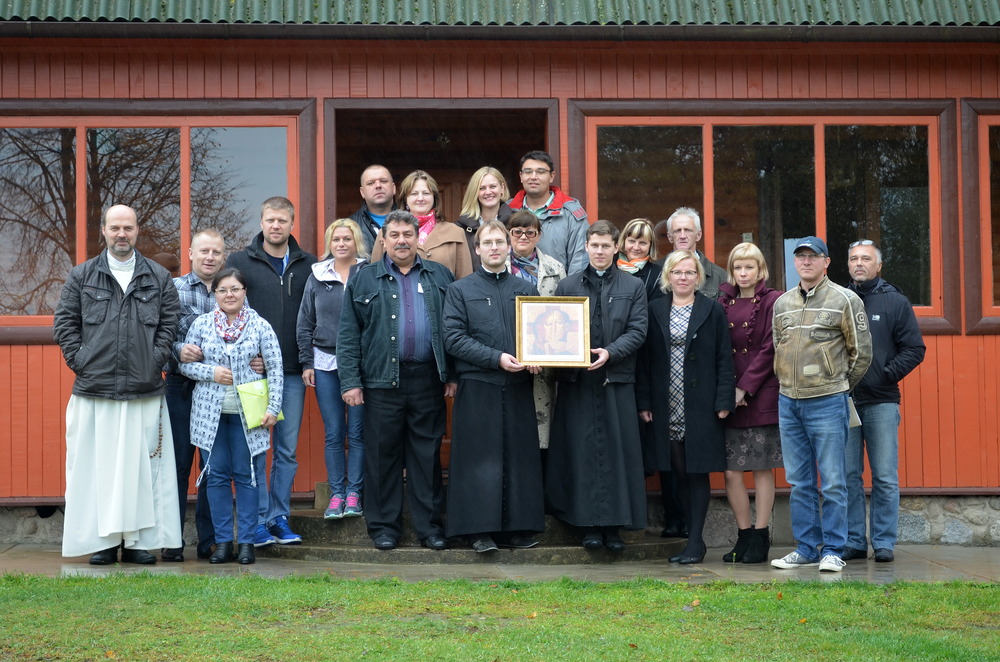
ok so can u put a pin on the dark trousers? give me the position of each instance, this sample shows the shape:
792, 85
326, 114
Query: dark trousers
179, 392
403, 428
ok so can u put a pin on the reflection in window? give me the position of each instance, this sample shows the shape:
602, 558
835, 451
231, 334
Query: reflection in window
877, 187
138, 167
37, 218
648, 171
233, 170
994, 139
764, 187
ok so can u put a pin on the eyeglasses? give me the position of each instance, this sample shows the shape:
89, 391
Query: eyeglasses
493, 243
235, 291
541, 172
684, 274
862, 242
808, 257
519, 232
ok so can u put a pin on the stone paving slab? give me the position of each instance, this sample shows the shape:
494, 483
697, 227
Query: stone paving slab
925, 563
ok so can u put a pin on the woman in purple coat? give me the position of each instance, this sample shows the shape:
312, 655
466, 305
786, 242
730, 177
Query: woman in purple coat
752, 440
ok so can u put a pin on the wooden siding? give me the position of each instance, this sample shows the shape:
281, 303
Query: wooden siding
950, 422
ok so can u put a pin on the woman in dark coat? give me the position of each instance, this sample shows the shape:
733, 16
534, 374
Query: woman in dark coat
752, 439
593, 475
485, 200
685, 389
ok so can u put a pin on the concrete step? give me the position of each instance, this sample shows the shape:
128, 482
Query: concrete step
346, 541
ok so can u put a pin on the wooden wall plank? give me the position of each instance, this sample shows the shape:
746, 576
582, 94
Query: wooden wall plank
7, 414
800, 77
881, 77
459, 66
21, 414
707, 88
525, 71
817, 77
989, 72
281, 73
640, 75
263, 79
849, 77
52, 439
476, 74
543, 77
675, 76
755, 76
43, 77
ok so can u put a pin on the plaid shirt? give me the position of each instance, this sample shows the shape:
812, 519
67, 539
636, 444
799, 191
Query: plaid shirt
195, 300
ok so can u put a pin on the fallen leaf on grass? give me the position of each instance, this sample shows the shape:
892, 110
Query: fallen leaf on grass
802, 620
695, 602
633, 646
109, 654
779, 595
533, 614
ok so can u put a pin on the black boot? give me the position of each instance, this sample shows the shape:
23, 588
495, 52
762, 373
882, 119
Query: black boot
760, 545
223, 553
246, 555
742, 543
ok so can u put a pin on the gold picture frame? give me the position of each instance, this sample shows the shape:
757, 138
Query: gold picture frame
553, 332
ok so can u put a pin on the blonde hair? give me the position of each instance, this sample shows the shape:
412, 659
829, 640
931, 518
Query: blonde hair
355, 232
407, 185
638, 228
746, 251
470, 201
672, 261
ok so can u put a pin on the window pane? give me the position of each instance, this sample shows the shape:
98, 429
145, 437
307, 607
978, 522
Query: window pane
765, 187
648, 171
233, 170
37, 218
877, 187
994, 138
138, 167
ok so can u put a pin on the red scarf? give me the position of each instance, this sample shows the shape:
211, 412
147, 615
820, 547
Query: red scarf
231, 331
427, 224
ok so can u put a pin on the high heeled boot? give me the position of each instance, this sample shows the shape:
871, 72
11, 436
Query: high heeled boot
760, 545
742, 543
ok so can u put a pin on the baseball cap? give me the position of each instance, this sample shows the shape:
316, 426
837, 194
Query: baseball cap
815, 244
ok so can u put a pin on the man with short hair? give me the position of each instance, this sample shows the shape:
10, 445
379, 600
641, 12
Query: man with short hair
115, 323
208, 255
391, 358
594, 475
276, 270
822, 348
564, 221
378, 192
495, 478
897, 349
684, 229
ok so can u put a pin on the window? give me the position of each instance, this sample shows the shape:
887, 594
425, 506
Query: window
180, 174
981, 166
771, 173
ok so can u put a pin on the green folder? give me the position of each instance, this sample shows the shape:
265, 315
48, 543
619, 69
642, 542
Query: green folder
253, 398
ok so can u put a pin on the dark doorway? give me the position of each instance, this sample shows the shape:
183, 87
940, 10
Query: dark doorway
449, 143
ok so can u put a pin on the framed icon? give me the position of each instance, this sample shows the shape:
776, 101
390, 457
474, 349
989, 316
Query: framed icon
554, 331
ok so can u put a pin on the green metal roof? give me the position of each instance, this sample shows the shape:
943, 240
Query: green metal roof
516, 12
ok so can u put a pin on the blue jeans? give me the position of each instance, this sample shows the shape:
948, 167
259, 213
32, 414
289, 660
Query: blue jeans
230, 465
179, 393
814, 435
879, 434
278, 500
336, 425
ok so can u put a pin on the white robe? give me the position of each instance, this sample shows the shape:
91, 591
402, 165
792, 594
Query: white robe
121, 481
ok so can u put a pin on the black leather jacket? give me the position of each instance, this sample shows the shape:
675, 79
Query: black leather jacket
117, 342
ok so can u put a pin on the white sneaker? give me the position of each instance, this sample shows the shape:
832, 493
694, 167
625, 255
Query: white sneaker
831, 563
793, 560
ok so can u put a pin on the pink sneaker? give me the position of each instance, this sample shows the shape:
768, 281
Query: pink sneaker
336, 508
353, 505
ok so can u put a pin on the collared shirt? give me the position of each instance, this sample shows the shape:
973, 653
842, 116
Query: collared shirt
195, 300
413, 326
541, 210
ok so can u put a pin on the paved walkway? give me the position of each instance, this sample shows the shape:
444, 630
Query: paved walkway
926, 563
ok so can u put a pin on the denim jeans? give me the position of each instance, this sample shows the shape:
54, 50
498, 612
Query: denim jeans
335, 426
179, 392
230, 465
285, 439
814, 435
879, 434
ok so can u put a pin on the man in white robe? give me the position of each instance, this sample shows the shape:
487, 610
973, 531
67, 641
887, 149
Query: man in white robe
115, 323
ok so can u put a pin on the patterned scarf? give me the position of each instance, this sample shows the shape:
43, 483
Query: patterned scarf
427, 224
230, 332
525, 267
631, 266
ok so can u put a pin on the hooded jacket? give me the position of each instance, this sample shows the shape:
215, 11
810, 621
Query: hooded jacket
275, 297
897, 345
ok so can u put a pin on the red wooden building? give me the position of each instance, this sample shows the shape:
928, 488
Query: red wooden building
776, 119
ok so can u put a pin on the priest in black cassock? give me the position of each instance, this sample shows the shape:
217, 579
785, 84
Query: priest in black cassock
495, 479
594, 474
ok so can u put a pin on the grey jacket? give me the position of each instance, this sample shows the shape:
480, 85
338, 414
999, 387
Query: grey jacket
117, 342
822, 344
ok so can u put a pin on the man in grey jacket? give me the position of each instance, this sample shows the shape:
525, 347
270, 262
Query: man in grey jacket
684, 229
822, 348
115, 323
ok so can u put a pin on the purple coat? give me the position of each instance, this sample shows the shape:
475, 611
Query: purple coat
753, 354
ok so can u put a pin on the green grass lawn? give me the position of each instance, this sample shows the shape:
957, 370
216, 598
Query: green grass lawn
146, 617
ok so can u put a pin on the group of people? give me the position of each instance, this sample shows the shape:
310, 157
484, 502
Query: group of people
693, 369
